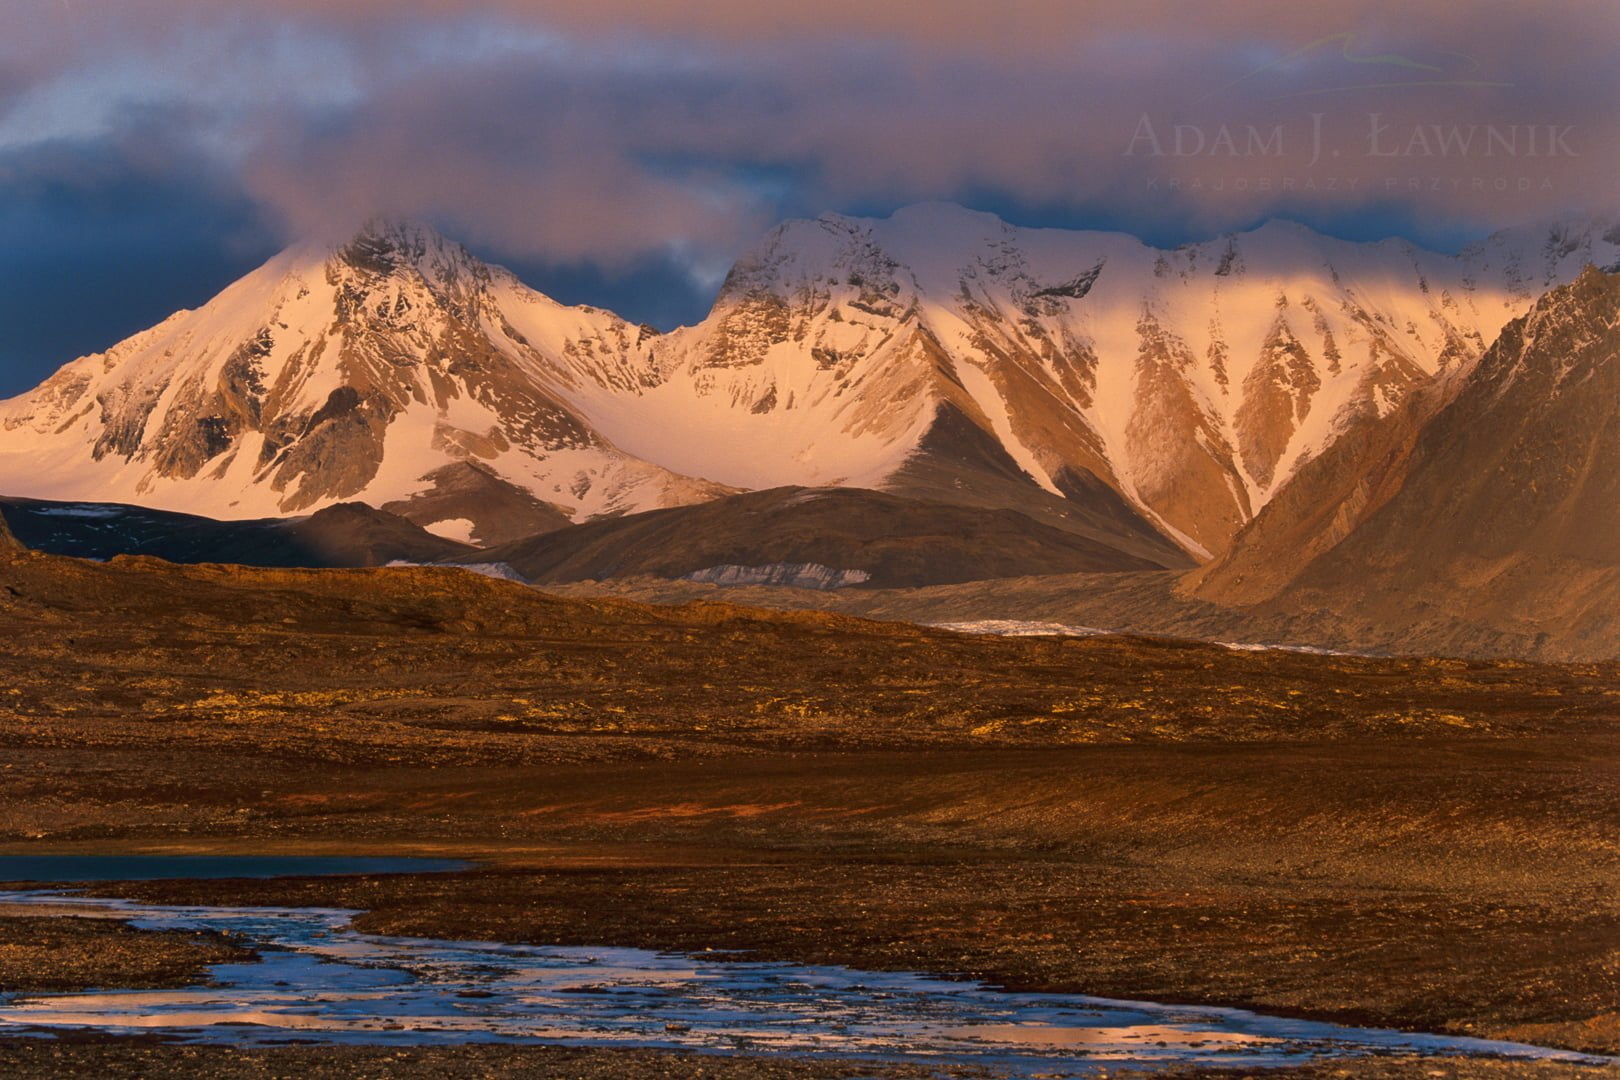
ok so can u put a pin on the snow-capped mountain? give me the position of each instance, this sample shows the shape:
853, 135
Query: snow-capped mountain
370, 370
938, 351
1193, 382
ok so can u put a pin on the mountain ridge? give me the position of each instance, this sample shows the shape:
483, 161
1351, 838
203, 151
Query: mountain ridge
341, 535
1087, 376
1484, 521
857, 536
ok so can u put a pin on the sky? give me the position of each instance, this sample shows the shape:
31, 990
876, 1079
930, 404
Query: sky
624, 152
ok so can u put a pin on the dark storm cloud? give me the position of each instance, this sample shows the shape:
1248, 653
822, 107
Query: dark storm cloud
101, 239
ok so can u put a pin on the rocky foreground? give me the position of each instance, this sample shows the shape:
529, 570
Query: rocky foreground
1416, 843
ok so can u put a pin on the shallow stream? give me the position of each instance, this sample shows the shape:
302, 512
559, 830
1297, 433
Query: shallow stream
319, 980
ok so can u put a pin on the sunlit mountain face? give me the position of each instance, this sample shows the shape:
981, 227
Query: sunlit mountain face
1186, 386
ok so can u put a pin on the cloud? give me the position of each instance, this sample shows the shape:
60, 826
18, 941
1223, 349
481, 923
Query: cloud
101, 239
616, 135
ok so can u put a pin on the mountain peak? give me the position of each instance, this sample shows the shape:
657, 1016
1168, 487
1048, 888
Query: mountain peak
1590, 296
1594, 277
1281, 230
385, 245
1582, 311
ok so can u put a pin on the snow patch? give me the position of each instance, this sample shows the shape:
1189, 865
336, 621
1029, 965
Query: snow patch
793, 575
1312, 650
88, 511
457, 529
1019, 628
499, 570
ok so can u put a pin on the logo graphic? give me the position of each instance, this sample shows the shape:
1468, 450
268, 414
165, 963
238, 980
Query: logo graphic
1387, 71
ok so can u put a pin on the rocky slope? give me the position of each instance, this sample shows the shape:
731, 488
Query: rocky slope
1505, 514
468, 501
1332, 494
820, 538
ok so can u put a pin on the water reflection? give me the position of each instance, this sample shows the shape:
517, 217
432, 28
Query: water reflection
321, 981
